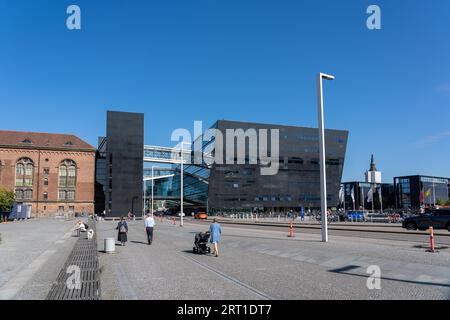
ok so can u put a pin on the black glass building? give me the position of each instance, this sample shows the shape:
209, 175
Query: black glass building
356, 196
231, 185
416, 191
119, 165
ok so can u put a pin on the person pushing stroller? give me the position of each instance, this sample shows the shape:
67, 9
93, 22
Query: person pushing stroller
201, 240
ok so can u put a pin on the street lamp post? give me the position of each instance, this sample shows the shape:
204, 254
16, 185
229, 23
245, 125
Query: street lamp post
153, 178
323, 175
182, 183
143, 205
181, 187
153, 184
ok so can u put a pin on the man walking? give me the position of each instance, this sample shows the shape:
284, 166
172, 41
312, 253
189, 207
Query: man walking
149, 224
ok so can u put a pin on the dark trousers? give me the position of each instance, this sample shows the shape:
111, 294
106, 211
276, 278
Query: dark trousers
149, 231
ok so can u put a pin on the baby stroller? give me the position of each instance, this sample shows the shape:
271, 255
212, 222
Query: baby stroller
200, 243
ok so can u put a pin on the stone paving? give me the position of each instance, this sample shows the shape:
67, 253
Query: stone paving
31, 253
254, 264
266, 264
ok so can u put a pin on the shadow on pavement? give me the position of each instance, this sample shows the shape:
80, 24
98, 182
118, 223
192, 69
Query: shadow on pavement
422, 246
139, 242
344, 270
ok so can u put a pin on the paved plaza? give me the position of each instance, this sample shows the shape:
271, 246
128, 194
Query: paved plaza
266, 264
254, 263
32, 253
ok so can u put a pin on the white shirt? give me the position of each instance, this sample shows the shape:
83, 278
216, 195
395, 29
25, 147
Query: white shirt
149, 222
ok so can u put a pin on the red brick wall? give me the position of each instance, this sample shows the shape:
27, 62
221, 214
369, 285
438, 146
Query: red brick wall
84, 194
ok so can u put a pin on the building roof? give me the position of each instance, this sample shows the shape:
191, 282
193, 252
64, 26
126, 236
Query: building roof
38, 140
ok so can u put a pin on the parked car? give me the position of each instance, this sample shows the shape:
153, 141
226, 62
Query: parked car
201, 215
436, 218
355, 215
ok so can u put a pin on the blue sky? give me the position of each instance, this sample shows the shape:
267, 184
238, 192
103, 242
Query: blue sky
251, 60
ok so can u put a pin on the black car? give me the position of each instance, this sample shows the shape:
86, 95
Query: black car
436, 218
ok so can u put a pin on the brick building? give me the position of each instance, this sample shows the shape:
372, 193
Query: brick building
49, 173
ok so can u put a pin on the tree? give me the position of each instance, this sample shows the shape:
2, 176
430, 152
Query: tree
6, 199
448, 202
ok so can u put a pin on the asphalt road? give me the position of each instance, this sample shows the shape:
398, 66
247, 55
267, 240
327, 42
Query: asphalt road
442, 237
263, 263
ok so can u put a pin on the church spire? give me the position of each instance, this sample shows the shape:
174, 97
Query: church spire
372, 164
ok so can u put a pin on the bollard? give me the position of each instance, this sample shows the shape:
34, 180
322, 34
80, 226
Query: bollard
110, 245
431, 239
291, 230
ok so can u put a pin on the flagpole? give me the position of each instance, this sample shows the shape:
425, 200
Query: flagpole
344, 199
363, 199
381, 197
372, 200
434, 196
352, 195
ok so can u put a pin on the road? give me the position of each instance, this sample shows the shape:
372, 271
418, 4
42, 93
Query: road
393, 232
263, 263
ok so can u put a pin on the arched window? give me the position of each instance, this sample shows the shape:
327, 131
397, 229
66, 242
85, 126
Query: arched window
67, 180
20, 169
24, 179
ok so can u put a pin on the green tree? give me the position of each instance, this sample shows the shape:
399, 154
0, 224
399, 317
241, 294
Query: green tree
448, 202
440, 202
6, 199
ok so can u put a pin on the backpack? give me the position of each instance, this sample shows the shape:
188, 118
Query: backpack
122, 228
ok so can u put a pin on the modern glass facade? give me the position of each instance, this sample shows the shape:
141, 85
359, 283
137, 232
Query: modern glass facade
356, 196
417, 191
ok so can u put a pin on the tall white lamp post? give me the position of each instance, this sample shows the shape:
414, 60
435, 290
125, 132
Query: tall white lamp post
323, 175
153, 184
182, 183
153, 178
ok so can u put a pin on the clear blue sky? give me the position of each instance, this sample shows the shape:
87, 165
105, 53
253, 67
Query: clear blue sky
251, 60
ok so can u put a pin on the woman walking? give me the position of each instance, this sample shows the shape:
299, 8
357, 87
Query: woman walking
215, 230
122, 226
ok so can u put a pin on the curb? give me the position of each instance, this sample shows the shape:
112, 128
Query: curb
330, 227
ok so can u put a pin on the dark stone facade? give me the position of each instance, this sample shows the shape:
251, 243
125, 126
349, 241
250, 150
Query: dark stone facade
239, 186
124, 163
